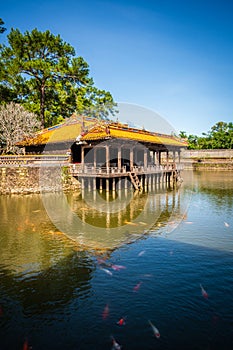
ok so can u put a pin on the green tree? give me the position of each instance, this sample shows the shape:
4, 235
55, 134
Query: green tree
94, 102
192, 142
2, 29
219, 137
40, 60
46, 75
183, 134
5, 93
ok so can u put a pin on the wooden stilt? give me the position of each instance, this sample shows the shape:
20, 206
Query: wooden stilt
94, 184
107, 185
114, 184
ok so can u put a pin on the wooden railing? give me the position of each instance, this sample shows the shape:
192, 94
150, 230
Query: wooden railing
90, 169
87, 168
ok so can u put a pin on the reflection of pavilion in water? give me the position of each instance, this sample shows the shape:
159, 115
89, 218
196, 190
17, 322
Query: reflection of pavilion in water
114, 219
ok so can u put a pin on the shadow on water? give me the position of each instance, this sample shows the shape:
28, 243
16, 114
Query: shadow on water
48, 290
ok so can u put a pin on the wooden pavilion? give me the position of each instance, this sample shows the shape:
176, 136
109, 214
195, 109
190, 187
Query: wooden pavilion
109, 155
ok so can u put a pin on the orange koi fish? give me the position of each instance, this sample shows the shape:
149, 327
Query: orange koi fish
204, 293
155, 330
121, 321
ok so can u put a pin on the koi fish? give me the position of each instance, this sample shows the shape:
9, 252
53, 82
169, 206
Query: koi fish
203, 292
105, 313
147, 275
141, 253
106, 270
136, 288
118, 267
115, 345
103, 262
121, 321
226, 224
155, 330
26, 345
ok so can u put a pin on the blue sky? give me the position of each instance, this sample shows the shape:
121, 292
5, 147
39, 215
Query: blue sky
171, 57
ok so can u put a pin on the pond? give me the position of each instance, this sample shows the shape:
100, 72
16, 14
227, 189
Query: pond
78, 270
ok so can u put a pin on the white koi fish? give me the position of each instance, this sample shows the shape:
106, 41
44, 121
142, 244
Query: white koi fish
106, 270
141, 252
203, 292
115, 345
155, 330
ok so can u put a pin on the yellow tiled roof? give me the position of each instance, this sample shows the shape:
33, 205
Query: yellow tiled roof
98, 130
64, 132
117, 130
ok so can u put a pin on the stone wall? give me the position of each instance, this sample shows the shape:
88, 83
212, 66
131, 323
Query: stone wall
21, 179
208, 159
208, 154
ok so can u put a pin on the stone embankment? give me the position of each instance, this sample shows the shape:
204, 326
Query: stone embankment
208, 159
20, 179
